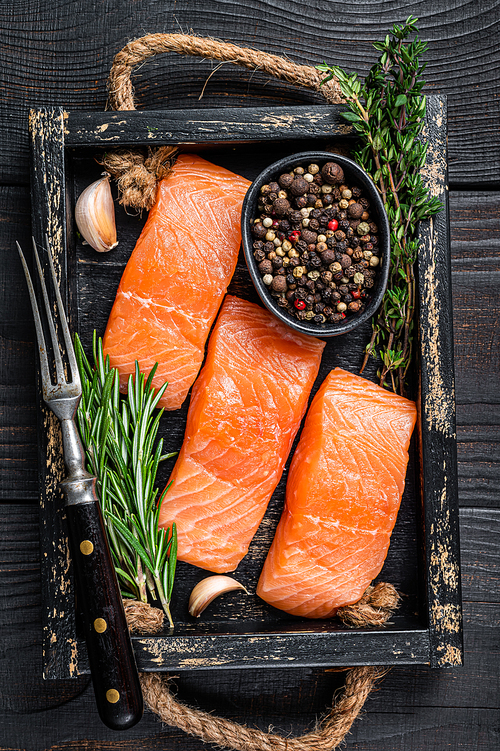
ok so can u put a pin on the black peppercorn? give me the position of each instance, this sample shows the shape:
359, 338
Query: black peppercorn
281, 206
301, 203
332, 173
299, 186
285, 180
259, 255
279, 284
265, 267
274, 187
308, 237
294, 216
355, 210
259, 231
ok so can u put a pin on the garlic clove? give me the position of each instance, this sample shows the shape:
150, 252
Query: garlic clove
95, 215
208, 589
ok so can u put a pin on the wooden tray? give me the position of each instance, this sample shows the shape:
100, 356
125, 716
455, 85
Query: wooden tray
242, 631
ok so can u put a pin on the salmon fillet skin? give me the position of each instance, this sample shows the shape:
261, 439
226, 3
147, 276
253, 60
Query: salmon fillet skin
176, 277
343, 494
246, 407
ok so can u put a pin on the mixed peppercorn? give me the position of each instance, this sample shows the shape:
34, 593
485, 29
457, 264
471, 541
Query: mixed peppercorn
315, 244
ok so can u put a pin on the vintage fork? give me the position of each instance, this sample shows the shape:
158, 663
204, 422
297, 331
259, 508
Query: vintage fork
111, 656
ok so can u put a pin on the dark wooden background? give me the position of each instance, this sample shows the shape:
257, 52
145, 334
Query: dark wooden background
59, 53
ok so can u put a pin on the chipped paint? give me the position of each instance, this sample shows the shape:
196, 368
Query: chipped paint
440, 398
163, 651
450, 655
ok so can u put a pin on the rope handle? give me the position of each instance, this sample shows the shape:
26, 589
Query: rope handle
138, 171
121, 93
374, 609
137, 179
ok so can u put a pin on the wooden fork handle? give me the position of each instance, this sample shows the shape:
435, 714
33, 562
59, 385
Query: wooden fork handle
112, 662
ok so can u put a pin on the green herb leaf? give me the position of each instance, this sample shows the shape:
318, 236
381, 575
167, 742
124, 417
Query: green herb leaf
119, 436
388, 112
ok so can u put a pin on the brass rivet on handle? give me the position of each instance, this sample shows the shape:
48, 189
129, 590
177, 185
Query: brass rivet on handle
86, 547
100, 626
112, 695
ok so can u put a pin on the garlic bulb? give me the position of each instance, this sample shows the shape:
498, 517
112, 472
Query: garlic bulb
95, 215
208, 589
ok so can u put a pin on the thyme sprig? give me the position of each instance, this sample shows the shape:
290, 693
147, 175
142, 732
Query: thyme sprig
388, 111
119, 435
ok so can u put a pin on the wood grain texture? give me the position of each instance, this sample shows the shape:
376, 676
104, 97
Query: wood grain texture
18, 434
402, 714
475, 246
475, 259
60, 54
253, 634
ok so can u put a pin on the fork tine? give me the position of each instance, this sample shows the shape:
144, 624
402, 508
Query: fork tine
70, 350
44, 365
55, 342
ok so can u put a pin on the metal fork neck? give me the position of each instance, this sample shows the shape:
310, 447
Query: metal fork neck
79, 485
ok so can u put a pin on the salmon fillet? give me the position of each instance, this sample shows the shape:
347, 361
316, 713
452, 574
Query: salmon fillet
342, 498
245, 410
176, 277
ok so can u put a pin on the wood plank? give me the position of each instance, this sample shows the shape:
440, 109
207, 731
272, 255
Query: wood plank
475, 258
475, 245
222, 125
68, 51
436, 427
18, 434
413, 708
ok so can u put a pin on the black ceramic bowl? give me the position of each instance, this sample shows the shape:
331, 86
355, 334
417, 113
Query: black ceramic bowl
353, 175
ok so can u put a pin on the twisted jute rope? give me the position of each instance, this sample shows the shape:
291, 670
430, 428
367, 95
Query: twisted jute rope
138, 173
374, 609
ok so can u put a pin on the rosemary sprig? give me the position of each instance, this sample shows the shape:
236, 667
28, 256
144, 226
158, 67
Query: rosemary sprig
388, 112
119, 435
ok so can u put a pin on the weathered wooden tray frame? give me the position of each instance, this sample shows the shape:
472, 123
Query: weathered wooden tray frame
432, 637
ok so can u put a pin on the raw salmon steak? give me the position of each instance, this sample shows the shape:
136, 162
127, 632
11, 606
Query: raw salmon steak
343, 494
177, 275
245, 410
